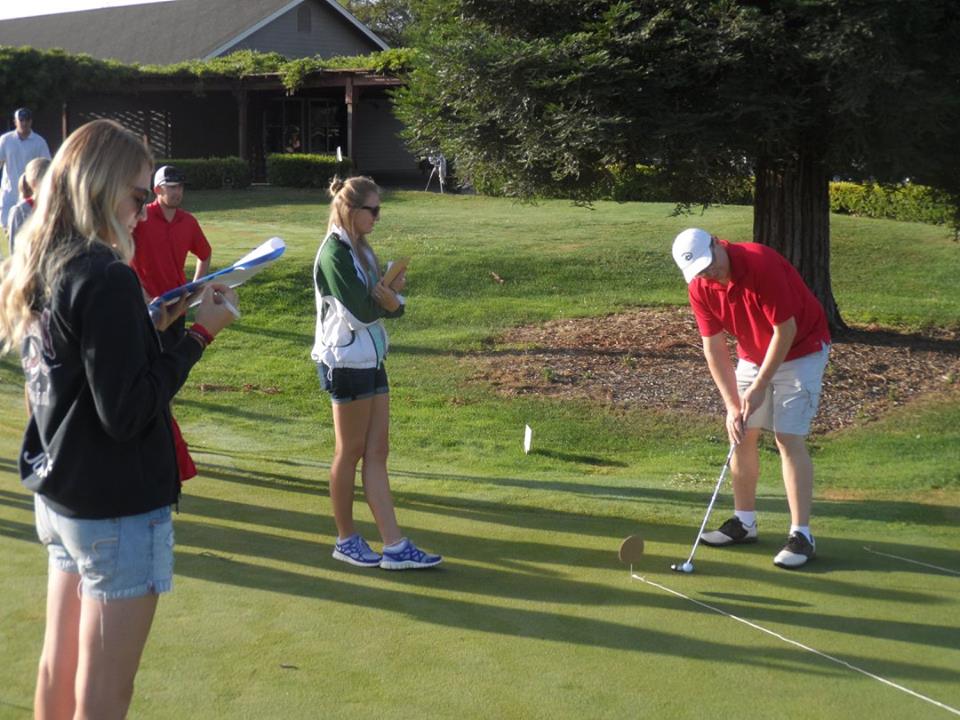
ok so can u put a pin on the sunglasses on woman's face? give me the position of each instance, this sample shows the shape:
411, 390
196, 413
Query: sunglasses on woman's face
374, 210
140, 197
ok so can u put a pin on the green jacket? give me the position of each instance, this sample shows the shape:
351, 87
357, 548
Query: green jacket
349, 331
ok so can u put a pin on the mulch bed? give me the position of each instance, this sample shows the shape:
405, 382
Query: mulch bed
652, 357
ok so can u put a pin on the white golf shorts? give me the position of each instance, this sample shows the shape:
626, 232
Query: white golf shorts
793, 396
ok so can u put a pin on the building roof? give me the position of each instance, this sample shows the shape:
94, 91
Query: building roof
162, 32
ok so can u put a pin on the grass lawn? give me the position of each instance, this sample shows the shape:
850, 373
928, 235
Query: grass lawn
531, 615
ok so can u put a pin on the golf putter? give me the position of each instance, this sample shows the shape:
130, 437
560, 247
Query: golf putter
687, 567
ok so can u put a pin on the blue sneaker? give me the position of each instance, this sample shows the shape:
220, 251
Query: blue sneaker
354, 550
408, 557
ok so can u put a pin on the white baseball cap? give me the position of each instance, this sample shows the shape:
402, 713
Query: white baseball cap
691, 252
168, 175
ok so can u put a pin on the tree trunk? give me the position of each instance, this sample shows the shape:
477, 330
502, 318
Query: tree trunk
791, 214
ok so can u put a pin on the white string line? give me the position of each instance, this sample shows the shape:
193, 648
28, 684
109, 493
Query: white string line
915, 562
894, 685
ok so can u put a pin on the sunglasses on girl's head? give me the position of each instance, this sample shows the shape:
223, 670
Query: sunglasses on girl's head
140, 197
374, 210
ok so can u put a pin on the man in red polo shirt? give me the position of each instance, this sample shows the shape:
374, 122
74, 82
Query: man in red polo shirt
753, 293
163, 240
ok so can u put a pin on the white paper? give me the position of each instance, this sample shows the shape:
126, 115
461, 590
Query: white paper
527, 439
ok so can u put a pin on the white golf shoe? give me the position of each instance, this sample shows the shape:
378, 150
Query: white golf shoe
732, 532
797, 552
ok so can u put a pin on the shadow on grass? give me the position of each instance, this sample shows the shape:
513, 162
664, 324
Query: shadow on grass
542, 624
300, 339
881, 511
18, 531
231, 410
537, 572
535, 560
19, 501
577, 458
9, 465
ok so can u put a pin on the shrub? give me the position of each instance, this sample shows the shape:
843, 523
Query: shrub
212, 173
910, 202
648, 184
305, 170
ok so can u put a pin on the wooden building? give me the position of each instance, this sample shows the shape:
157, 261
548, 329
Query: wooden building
250, 117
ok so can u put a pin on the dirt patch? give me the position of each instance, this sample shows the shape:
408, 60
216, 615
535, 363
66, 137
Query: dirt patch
652, 357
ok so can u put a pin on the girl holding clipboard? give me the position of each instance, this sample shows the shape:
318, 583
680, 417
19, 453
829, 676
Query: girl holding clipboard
351, 344
98, 451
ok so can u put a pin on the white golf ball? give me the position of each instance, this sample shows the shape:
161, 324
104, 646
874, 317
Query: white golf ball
687, 567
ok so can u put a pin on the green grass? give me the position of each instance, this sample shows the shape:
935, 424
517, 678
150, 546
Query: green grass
531, 616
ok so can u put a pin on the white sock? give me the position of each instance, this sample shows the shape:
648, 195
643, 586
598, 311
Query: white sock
395, 546
805, 529
747, 517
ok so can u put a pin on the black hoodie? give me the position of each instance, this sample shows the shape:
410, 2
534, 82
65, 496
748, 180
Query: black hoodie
99, 442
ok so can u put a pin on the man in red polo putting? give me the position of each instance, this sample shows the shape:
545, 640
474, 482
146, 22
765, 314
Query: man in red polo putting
753, 293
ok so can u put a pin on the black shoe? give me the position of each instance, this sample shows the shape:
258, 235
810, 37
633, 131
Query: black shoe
732, 532
797, 552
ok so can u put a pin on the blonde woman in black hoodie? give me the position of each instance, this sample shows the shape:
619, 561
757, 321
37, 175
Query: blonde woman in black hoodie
98, 450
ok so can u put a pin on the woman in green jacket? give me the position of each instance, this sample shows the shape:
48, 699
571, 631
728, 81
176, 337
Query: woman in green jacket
350, 348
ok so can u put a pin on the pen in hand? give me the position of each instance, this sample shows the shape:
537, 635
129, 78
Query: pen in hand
229, 305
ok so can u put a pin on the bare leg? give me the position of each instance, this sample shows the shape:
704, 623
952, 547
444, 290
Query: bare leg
54, 697
797, 476
112, 637
745, 468
351, 422
376, 483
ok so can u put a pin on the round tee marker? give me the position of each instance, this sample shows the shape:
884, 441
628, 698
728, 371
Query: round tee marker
631, 550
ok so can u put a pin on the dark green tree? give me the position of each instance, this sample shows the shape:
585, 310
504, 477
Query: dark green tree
540, 96
387, 18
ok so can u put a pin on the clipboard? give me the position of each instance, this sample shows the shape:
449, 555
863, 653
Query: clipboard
395, 270
237, 274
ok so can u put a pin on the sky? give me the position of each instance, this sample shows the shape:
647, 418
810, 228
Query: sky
10, 9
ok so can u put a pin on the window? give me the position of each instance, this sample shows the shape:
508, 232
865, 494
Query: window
303, 18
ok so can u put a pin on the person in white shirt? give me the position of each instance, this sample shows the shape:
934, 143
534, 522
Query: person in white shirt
17, 148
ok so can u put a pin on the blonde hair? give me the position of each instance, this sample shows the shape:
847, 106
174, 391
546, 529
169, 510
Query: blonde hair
32, 175
348, 198
77, 204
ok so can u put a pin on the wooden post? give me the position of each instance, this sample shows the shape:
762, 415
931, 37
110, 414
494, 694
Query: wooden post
242, 106
348, 95
64, 122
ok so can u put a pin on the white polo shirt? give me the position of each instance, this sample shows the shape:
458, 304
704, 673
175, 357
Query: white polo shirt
15, 153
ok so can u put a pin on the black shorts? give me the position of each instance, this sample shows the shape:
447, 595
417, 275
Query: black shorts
349, 384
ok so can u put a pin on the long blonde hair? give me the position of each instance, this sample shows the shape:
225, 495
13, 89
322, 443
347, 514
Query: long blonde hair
76, 208
32, 175
348, 198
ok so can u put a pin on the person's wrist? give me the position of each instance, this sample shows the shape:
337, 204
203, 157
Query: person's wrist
199, 333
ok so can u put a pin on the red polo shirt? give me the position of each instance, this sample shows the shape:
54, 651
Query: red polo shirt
162, 247
764, 290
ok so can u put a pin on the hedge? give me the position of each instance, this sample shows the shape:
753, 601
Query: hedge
212, 173
908, 202
914, 203
647, 184
305, 170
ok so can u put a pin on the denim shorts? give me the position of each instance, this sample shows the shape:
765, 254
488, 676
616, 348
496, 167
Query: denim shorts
116, 558
793, 395
349, 384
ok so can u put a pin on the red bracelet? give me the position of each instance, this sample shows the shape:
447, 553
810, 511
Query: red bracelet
202, 332
198, 337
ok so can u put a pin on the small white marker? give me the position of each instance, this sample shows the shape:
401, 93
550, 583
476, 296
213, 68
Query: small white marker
527, 439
